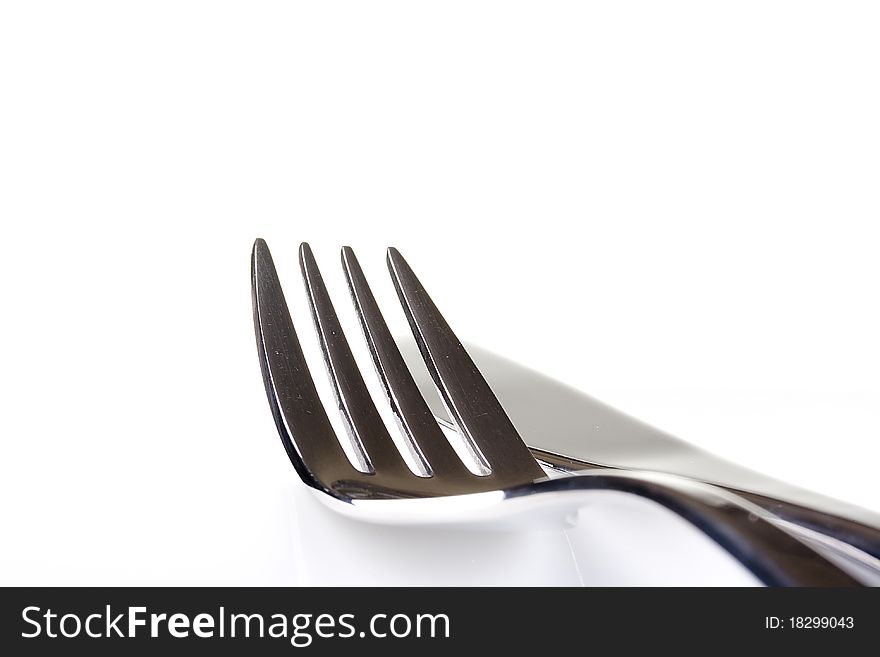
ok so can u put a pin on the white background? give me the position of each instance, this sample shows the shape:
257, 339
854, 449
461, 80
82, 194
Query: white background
672, 206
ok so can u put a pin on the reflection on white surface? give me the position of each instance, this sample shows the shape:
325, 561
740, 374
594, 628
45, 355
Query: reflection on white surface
622, 540
335, 550
619, 540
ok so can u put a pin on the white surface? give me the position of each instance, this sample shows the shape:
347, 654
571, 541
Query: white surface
688, 190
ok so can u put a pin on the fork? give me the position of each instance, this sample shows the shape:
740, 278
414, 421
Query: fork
505, 483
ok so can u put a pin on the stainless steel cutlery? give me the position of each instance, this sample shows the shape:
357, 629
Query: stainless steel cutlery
504, 482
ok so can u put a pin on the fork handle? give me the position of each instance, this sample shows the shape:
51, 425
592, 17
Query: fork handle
859, 535
742, 528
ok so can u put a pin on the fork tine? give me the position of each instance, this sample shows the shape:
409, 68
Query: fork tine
355, 404
302, 423
419, 427
472, 405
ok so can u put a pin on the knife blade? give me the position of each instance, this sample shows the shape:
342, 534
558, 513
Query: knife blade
570, 431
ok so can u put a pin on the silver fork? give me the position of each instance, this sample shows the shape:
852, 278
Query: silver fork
510, 486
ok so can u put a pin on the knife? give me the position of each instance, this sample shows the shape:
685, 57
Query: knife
570, 431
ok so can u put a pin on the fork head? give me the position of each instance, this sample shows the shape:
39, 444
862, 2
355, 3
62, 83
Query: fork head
380, 472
